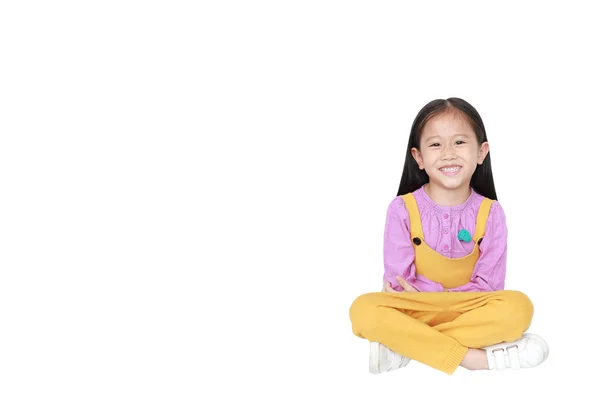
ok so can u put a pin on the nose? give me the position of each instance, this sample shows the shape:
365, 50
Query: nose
448, 153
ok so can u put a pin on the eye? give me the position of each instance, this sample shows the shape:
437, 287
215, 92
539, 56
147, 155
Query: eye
460, 142
434, 145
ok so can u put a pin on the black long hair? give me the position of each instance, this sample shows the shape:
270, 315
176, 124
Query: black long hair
413, 178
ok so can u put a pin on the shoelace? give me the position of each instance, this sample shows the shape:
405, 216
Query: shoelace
513, 357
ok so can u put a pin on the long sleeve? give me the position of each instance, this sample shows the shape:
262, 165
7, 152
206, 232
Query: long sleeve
398, 251
490, 270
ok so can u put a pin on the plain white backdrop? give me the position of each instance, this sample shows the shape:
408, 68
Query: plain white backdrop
193, 193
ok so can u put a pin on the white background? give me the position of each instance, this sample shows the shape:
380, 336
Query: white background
193, 193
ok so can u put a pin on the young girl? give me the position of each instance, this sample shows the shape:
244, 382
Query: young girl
443, 301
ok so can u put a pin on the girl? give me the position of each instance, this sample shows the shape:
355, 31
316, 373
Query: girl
443, 301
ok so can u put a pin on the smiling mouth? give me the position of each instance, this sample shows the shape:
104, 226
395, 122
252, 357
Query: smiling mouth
449, 171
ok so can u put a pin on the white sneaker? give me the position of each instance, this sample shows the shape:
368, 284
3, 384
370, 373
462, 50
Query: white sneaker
529, 351
383, 359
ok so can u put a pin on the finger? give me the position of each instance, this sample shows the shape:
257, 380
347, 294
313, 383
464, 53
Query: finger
388, 288
402, 282
407, 286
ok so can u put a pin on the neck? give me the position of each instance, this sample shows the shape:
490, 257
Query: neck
448, 197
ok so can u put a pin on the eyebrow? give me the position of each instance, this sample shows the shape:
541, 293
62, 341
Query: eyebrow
454, 136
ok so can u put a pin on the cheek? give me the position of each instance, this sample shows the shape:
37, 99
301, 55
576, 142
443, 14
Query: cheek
427, 157
427, 162
471, 154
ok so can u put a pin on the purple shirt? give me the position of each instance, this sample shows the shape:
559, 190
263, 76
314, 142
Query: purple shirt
441, 235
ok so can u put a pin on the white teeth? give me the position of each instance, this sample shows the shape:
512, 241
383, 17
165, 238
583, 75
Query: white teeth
453, 169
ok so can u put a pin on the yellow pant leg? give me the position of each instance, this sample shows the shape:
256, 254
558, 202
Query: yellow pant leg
384, 318
487, 318
436, 329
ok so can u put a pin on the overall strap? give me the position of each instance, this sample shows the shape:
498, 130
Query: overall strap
482, 216
416, 229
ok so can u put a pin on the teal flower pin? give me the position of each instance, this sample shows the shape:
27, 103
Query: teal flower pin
464, 235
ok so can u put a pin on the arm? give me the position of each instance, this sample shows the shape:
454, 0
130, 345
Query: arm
490, 270
398, 251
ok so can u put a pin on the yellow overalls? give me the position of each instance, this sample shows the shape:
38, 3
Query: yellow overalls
437, 328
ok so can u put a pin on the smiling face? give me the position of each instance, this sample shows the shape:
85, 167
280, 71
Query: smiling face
449, 152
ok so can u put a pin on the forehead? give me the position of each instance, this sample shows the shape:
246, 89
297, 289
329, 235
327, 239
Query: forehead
446, 125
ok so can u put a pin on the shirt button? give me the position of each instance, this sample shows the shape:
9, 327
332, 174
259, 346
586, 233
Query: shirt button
445, 247
446, 216
445, 230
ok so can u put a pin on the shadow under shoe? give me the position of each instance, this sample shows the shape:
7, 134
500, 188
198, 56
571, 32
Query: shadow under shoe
383, 359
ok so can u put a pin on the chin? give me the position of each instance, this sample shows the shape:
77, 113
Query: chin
450, 185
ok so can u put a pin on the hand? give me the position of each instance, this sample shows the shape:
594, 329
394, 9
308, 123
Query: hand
407, 287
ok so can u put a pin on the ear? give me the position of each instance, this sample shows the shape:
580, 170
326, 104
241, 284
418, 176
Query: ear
417, 156
483, 152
